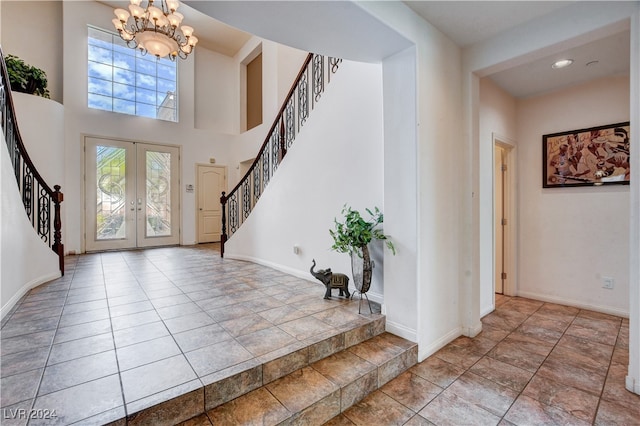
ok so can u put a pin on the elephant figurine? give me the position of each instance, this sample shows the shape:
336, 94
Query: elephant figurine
331, 280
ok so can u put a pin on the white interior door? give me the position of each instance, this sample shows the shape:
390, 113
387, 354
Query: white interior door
132, 196
212, 180
499, 218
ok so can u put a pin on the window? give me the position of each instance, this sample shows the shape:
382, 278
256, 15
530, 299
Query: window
122, 80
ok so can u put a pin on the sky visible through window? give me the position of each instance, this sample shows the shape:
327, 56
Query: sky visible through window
120, 79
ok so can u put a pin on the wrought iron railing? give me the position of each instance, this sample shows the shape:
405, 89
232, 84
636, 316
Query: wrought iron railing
305, 92
41, 203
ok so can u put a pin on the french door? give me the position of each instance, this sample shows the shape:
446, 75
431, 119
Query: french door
132, 195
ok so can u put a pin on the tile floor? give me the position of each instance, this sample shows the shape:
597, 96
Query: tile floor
123, 331
533, 364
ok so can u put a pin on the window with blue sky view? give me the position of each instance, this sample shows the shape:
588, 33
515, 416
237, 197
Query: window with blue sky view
121, 79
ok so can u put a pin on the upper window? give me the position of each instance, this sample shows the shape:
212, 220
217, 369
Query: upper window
122, 80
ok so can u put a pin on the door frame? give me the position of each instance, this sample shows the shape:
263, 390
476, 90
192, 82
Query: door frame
83, 192
197, 193
510, 285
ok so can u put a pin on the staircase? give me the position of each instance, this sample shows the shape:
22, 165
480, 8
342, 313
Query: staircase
41, 203
305, 93
318, 391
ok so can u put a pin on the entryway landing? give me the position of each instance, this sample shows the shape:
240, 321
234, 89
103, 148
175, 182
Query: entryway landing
159, 336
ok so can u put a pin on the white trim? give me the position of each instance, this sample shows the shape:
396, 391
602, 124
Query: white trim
426, 351
574, 303
511, 214
631, 385
277, 266
472, 331
488, 311
25, 289
401, 331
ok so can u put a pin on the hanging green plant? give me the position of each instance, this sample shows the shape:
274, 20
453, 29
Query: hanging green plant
356, 232
26, 78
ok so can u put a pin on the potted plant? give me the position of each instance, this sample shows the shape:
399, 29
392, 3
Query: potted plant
26, 78
353, 236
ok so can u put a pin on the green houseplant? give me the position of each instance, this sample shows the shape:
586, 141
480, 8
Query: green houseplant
26, 78
353, 236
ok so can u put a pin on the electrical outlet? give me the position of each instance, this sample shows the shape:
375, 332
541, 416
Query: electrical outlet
607, 282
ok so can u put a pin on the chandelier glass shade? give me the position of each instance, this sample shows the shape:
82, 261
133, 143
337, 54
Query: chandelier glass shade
155, 29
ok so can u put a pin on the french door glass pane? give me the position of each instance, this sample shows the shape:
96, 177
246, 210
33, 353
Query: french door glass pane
110, 191
158, 194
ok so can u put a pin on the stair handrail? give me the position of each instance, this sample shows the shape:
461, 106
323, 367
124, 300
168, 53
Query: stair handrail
30, 183
278, 140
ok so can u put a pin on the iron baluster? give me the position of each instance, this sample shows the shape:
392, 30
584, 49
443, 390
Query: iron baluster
44, 218
246, 199
334, 64
265, 168
233, 213
275, 147
303, 99
27, 193
318, 77
257, 187
291, 122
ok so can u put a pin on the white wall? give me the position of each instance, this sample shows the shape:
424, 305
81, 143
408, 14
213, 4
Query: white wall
569, 238
216, 99
401, 193
339, 153
497, 116
41, 124
25, 260
42, 18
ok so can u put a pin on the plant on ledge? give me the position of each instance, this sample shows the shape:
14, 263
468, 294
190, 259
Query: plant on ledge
26, 78
353, 236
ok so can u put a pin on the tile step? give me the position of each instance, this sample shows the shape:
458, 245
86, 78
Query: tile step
231, 383
316, 393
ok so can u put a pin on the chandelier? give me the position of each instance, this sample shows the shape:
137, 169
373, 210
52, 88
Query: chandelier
155, 30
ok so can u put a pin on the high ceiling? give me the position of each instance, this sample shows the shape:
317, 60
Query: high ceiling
470, 22
467, 23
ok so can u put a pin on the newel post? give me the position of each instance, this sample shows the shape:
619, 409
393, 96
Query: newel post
58, 247
223, 237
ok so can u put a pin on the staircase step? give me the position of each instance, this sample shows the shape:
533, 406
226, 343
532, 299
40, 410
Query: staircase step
316, 393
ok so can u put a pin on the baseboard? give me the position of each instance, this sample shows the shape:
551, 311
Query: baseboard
401, 330
286, 269
472, 331
374, 297
426, 351
24, 289
631, 385
575, 303
487, 311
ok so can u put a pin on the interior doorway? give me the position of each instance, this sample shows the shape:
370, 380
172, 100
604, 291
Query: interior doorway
131, 194
500, 168
212, 180
504, 216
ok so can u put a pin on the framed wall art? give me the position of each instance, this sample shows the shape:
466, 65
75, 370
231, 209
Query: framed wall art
586, 157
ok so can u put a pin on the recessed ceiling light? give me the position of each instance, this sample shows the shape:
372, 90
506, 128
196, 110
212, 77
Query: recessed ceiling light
562, 63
